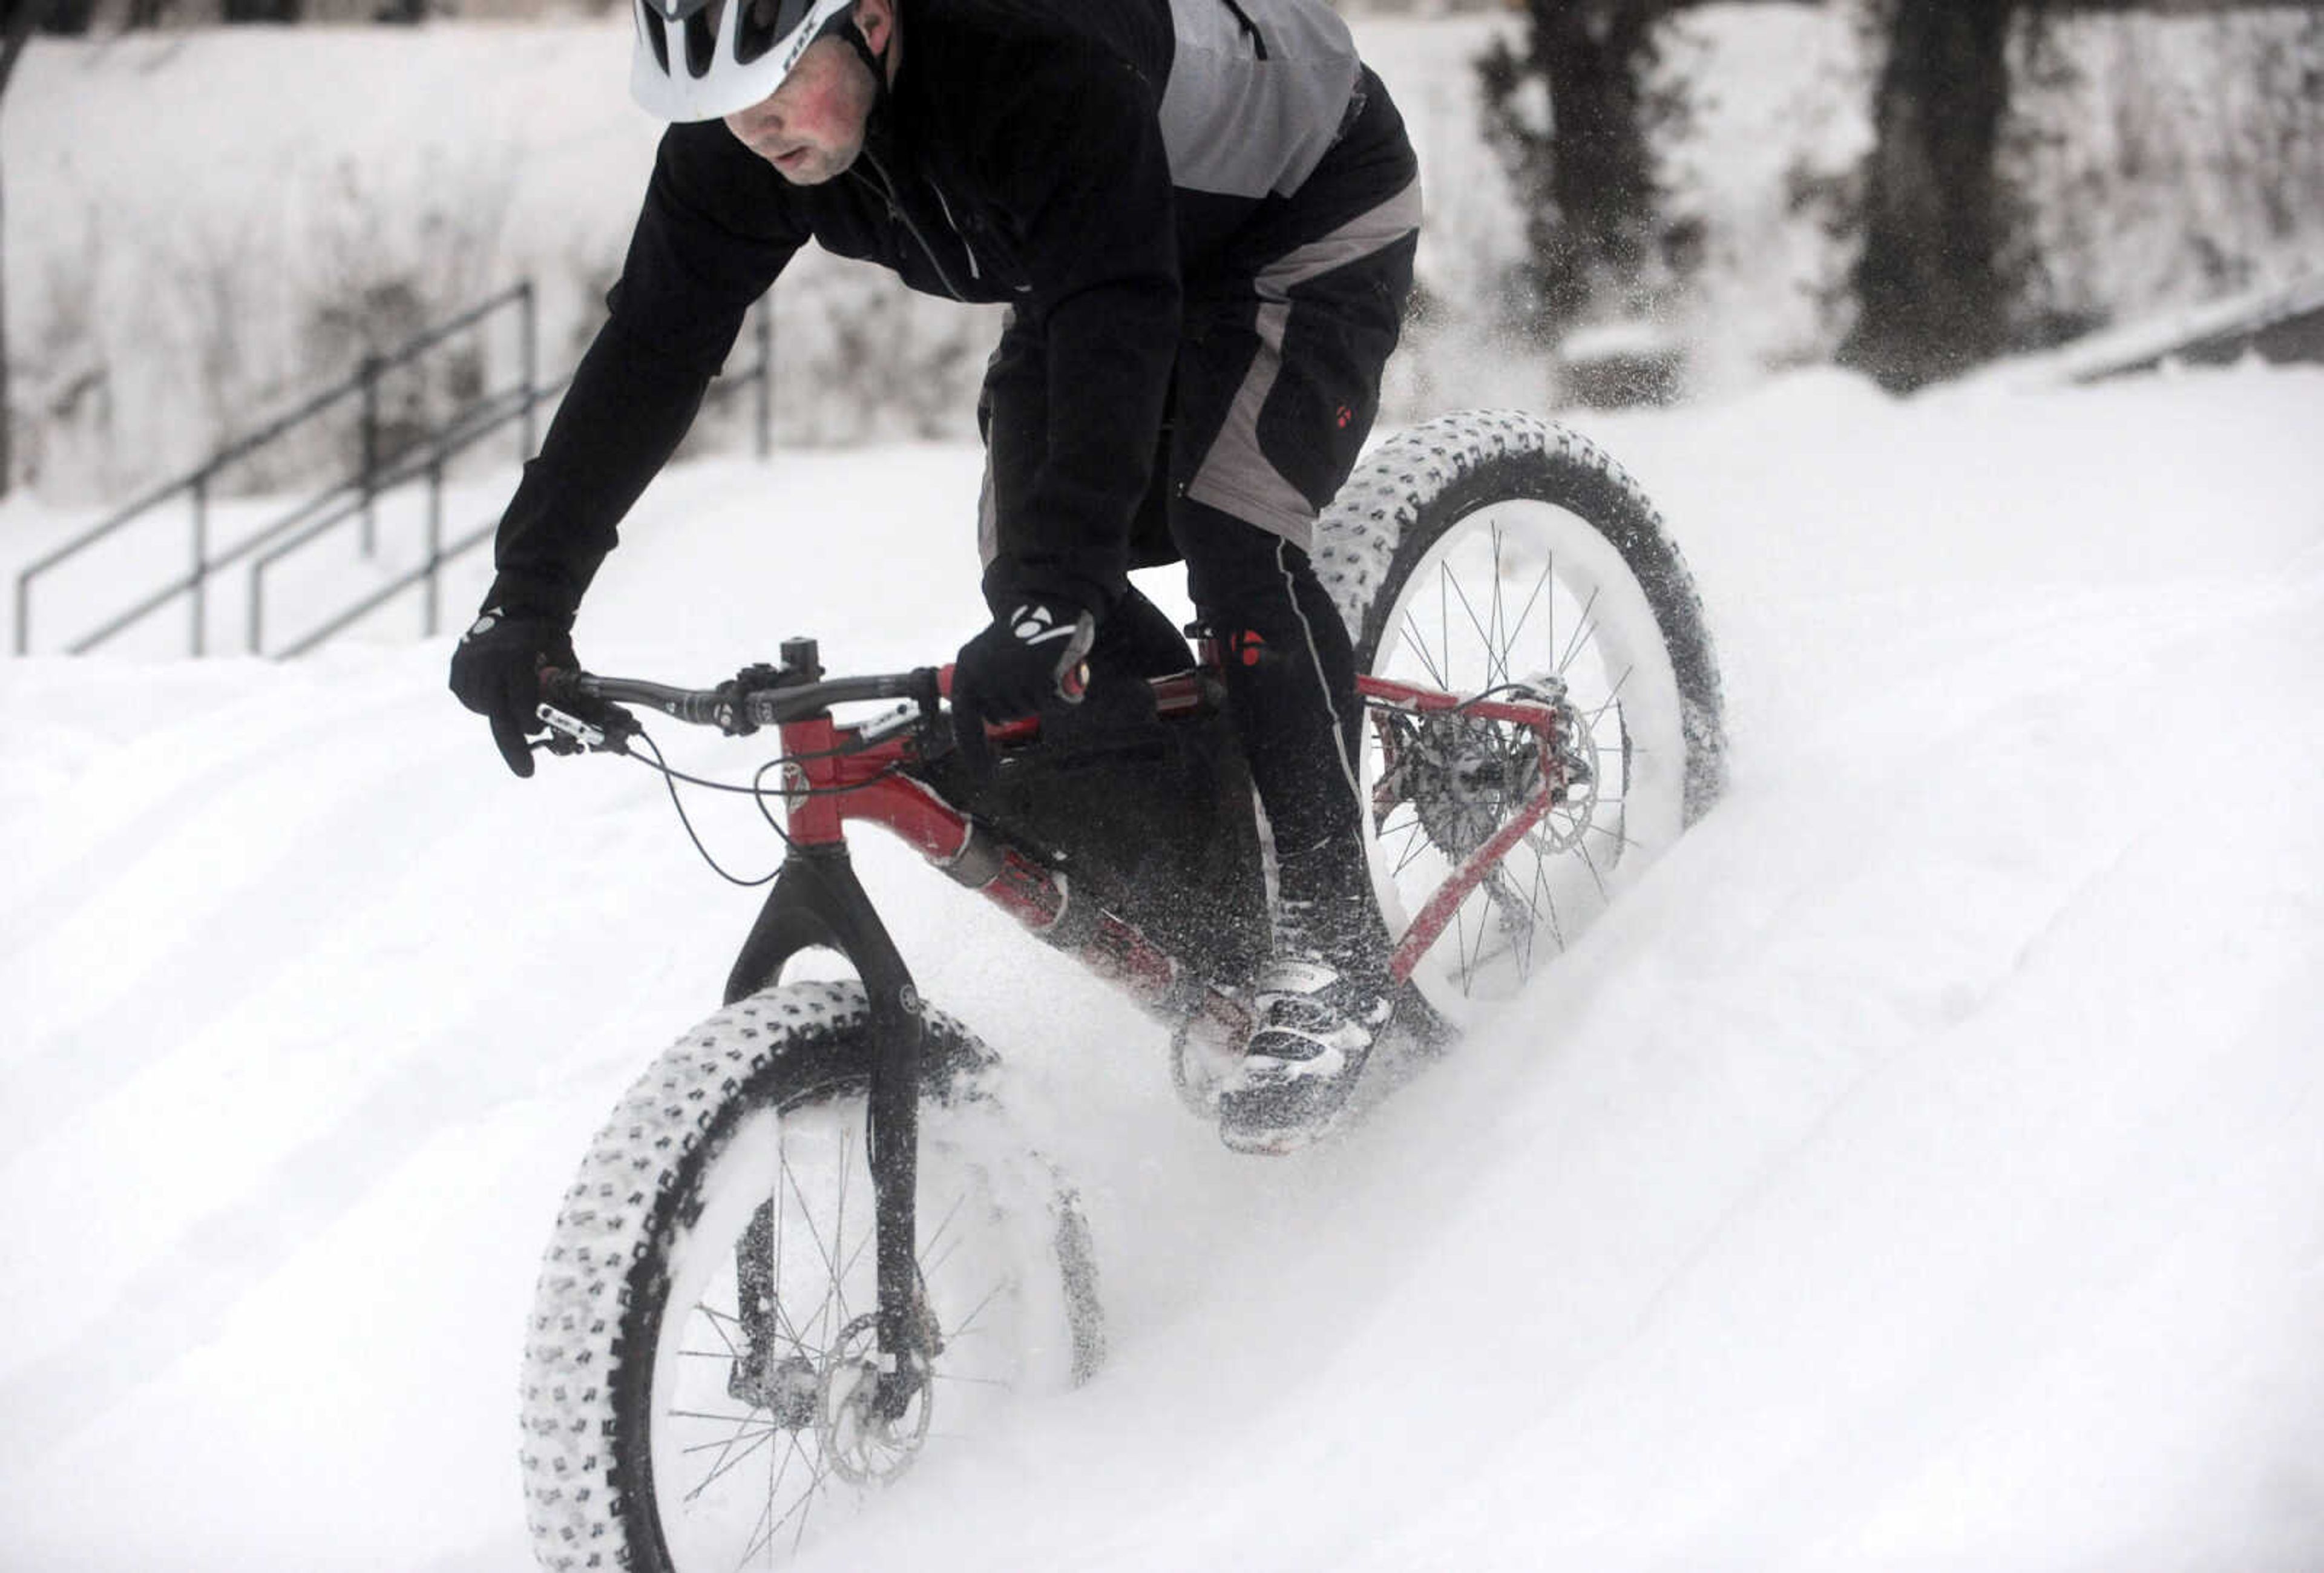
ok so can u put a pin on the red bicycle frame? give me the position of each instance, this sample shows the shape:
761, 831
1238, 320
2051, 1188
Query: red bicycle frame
833, 775
828, 783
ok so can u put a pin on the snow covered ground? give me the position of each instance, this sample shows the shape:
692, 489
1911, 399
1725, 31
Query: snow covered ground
1920, 1171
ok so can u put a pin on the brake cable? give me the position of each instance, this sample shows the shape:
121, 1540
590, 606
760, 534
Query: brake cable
757, 792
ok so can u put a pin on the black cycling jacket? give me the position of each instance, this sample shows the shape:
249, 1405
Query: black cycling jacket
1084, 161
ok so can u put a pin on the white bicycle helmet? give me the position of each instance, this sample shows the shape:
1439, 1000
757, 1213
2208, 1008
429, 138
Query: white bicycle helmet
699, 59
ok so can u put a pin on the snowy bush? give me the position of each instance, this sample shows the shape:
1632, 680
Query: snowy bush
2165, 159
182, 266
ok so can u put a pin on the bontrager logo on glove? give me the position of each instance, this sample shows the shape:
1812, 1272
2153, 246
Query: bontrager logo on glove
1036, 624
496, 672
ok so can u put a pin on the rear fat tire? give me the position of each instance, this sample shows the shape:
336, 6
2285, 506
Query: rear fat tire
1458, 484
589, 1404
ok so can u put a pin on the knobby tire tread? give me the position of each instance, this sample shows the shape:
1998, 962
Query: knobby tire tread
586, 1455
1417, 485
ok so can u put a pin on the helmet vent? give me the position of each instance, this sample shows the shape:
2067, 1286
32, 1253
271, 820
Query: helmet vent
761, 24
702, 38
651, 24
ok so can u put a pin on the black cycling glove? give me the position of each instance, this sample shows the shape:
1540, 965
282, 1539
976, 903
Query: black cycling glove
1030, 656
496, 672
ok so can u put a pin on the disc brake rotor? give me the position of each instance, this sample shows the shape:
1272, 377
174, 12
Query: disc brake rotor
864, 1442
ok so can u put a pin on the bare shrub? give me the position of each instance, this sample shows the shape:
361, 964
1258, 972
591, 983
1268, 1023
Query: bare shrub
2163, 160
61, 389
860, 358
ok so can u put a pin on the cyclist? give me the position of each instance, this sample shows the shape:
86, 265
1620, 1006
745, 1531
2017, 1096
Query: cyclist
1201, 216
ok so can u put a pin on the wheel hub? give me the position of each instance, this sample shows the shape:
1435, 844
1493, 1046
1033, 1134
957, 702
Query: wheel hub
1464, 778
790, 1389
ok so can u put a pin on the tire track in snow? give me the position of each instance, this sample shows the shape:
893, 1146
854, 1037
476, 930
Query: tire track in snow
78, 1061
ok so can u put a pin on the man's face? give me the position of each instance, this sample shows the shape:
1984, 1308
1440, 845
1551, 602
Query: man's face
812, 126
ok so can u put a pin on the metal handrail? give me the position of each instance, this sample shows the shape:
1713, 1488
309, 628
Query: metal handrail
342, 502
196, 484
354, 497
413, 466
449, 444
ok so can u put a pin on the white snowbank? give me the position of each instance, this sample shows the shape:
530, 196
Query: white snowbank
1919, 1171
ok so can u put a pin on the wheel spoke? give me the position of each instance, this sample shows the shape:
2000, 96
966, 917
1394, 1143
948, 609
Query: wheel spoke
817, 1475
1417, 643
1413, 848
1613, 697
1534, 900
969, 1320
1443, 627
698, 1414
1589, 862
718, 1321
766, 1514
1516, 914
1497, 641
761, 1434
951, 1213
1461, 941
1541, 583
836, 1298
1581, 632
1495, 668
839, 1229
728, 1464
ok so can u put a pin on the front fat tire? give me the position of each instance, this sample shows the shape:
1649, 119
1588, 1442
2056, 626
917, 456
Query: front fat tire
1401, 551
665, 1176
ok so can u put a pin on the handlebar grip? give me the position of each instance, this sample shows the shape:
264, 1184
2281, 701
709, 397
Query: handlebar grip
560, 687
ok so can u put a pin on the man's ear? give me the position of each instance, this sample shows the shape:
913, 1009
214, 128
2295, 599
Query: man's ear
876, 20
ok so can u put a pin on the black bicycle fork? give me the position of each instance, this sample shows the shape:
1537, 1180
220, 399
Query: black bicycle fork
818, 902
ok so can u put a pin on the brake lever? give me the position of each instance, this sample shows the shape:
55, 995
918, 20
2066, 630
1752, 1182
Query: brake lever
610, 733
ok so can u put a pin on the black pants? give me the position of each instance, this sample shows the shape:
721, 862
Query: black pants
1276, 388
1290, 672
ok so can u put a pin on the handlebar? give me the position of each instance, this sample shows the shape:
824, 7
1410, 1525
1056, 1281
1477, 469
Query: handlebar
760, 697
582, 710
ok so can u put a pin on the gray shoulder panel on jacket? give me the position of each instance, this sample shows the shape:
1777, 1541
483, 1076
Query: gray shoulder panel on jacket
1257, 93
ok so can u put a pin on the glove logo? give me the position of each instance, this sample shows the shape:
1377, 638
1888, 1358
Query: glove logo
485, 625
1036, 624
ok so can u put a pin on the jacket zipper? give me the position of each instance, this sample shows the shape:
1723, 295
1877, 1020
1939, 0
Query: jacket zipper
887, 191
973, 272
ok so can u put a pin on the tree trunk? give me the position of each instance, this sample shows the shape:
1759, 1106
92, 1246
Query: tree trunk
7, 413
1595, 54
1927, 288
1587, 185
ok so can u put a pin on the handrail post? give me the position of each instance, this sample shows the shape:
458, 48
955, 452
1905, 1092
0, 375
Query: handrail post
24, 613
766, 379
201, 553
369, 374
435, 544
531, 317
